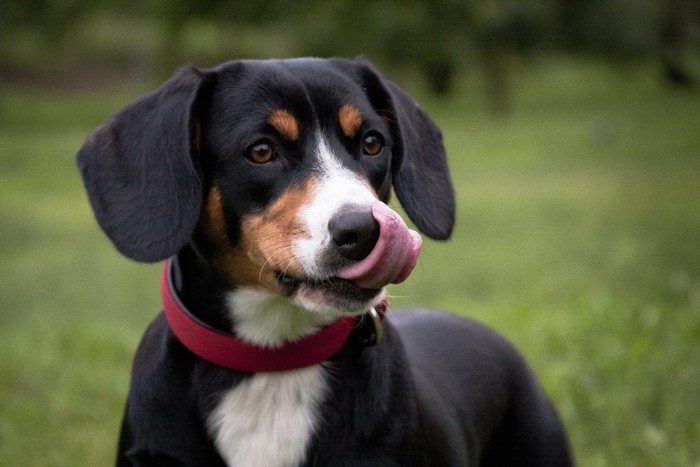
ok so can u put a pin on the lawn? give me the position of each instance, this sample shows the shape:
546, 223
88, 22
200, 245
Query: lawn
578, 237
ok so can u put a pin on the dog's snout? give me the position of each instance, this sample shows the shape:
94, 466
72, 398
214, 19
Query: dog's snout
354, 231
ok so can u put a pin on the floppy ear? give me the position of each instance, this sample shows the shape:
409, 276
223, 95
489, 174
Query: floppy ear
141, 176
419, 162
421, 176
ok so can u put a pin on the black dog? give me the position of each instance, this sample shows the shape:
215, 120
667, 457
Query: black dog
264, 182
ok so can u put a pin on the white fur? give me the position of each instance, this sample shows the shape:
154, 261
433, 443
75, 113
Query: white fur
337, 187
268, 319
269, 419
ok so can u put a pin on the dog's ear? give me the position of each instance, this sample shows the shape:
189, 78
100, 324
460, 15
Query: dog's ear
141, 174
419, 166
421, 176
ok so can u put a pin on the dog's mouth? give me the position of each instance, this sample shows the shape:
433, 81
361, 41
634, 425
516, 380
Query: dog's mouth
342, 289
391, 259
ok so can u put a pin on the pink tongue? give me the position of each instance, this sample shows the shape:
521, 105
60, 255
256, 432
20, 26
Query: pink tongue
393, 257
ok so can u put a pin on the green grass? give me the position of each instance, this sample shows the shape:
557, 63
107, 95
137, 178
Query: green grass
578, 237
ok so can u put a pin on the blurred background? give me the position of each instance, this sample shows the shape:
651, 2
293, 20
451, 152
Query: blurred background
573, 132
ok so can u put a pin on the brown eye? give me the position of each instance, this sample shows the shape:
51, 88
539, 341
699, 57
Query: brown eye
261, 153
372, 145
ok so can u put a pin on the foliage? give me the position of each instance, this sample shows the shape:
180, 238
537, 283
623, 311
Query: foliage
442, 36
577, 237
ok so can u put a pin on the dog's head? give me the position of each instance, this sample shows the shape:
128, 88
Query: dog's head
276, 173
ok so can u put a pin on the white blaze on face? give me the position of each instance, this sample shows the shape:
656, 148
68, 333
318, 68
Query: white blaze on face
337, 186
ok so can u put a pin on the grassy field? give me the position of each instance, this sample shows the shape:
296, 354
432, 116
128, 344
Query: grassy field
578, 237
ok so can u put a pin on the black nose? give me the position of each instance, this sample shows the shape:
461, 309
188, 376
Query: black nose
354, 231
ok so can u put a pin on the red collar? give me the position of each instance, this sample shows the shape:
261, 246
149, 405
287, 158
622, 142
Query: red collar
226, 350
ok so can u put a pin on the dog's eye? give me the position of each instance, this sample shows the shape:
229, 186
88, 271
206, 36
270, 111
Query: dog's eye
261, 153
372, 144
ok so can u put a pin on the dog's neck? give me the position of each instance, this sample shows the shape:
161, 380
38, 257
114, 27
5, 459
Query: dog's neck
200, 289
269, 320
256, 316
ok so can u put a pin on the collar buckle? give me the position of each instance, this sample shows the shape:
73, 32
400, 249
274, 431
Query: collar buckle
370, 329
378, 328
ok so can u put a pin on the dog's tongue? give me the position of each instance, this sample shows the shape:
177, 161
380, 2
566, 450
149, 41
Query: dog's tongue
393, 257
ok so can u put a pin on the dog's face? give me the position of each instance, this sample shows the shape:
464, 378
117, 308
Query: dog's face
276, 172
296, 157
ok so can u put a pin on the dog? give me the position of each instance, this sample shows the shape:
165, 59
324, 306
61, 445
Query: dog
263, 185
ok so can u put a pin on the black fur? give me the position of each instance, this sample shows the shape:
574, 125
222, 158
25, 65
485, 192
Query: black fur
141, 174
437, 391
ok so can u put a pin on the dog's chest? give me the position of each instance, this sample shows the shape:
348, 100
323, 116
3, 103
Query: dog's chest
269, 418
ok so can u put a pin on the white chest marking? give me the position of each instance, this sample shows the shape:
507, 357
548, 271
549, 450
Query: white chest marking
269, 418
269, 319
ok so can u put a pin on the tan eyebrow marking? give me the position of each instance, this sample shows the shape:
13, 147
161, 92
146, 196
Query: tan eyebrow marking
285, 123
350, 120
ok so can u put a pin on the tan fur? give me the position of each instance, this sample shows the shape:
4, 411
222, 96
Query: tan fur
266, 239
350, 120
285, 123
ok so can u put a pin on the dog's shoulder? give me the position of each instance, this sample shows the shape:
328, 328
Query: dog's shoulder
461, 352
472, 379
163, 365
170, 390
424, 327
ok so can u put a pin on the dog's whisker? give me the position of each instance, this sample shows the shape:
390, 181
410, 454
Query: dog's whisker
269, 259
